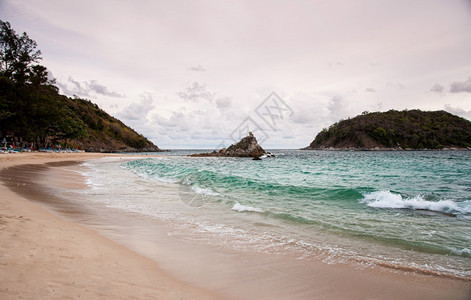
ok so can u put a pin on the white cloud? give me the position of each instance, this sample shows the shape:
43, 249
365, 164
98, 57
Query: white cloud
197, 68
207, 72
138, 111
396, 85
85, 88
178, 120
223, 104
100, 89
335, 64
337, 108
72, 87
437, 88
196, 92
302, 117
458, 111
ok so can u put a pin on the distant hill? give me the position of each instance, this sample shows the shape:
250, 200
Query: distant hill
396, 130
33, 112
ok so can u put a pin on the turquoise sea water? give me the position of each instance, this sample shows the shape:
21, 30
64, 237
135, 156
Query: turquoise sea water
398, 209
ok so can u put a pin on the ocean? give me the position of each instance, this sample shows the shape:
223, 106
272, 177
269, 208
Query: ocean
401, 210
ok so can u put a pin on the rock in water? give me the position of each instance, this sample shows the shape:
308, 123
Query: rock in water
247, 147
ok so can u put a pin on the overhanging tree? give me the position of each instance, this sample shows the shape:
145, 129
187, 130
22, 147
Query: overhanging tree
17, 53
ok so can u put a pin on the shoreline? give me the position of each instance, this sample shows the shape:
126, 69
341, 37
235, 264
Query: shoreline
325, 281
45, 256
379, 149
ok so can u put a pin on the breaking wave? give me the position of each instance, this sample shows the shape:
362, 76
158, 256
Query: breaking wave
241, 208
387, 199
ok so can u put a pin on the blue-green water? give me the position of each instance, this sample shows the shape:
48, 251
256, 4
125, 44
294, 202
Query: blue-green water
401, 209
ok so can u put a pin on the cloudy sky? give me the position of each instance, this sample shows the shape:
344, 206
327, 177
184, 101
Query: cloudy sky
198, 74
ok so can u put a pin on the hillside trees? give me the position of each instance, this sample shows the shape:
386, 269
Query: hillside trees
408, 129
30, 105
32, 109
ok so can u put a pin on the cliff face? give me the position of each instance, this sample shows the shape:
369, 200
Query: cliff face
246, 147
396, 130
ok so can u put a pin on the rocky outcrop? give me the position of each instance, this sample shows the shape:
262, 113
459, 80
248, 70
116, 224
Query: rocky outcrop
247, 147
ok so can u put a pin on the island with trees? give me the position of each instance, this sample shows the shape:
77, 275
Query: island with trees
396, 130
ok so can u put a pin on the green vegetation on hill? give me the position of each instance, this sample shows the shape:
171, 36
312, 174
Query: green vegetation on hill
408, 129
33, 111
106, 133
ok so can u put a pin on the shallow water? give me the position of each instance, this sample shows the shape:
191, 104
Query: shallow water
407, 210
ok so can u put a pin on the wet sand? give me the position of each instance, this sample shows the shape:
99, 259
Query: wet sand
43, 256
46, 256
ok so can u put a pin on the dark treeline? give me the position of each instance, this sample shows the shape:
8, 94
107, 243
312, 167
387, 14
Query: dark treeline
33, 111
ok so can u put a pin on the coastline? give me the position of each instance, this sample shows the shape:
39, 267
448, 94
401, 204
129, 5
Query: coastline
380, 149
80, 262
46, 256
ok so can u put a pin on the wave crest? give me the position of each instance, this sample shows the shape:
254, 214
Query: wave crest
241, 208
386, 199
204, 191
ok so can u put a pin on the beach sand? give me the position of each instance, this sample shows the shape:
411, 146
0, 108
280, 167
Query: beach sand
43, 255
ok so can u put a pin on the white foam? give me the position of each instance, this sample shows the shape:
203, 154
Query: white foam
203, 191
241, 208
463, 252
386, 199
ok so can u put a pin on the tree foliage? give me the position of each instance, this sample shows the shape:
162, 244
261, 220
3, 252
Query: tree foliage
17, 53
32, 108
408, 129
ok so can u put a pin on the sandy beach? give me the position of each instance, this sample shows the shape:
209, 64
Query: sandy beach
44, 256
